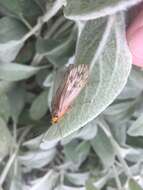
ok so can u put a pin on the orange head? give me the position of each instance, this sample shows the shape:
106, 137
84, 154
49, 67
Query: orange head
55, 119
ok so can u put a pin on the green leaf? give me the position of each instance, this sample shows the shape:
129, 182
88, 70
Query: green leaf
48, 181
103, 148
20, 8
57, 51
137, 77
77, 178
91, 9
5, 108
136, 129
17, 101
39, 106
26, 53
37, 159
77, 155
121, 111
15, 72
5, 139
5, 86
11, 34
11, 30
133, 185
13, 6
90, 186
110, 69
31, 16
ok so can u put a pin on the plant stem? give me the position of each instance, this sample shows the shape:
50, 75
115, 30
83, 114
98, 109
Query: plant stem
26, 23
116, 147
12, 158
118, 182
45, 18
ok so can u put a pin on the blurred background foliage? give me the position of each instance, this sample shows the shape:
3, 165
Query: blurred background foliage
101, 149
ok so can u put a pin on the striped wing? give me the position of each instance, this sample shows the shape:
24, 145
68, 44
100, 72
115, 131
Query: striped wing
74, 80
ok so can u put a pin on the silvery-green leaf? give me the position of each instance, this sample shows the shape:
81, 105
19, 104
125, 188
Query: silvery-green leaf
118, 130
20, 9
133, 185
118, 107
82, 151
137, 77
41, 4
5, 86
37, 159
57, 51
42, 75
136, 129
129, 92
15, 71
9, 50
37, 142
11, 34
47, 182
90, 186
14, 179
111, 64
5, 139
79, 154
120, 111
103, 148
84, 133
91, 9
134, 155
5, 108
111, 188
48, 80
11, 30
77, 178
39, 106
16, 101
66, 187
31, 15
26, 53
14, 6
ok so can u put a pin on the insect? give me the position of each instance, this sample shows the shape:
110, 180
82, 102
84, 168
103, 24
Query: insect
74, 80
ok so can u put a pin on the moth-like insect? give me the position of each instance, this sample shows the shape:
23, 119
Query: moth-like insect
74, 80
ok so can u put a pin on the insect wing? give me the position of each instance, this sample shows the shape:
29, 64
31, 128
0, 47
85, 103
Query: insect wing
76, 80
73, 82
58, 93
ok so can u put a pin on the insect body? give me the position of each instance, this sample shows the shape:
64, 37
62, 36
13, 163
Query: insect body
74, 80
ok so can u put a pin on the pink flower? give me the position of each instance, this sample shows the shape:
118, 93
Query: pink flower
135, 36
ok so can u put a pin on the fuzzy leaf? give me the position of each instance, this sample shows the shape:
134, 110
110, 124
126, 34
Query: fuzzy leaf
5, 139
57, 51
91, 9
15, 72
37, 159
77, 178
13, 6
11, 34
46, 182
5, 111
5, 86
136, 128
90, 186
17, 101
133, 185
39, 106
104, 149
107, 78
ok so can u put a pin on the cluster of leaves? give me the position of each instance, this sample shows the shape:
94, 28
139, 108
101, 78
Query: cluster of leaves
91, 151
